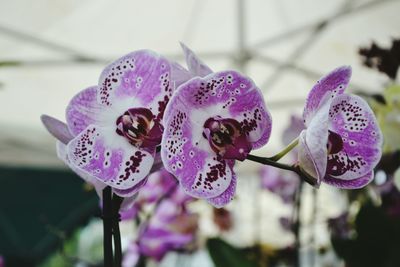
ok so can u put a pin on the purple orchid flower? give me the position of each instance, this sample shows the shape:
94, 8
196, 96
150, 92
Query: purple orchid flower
342, 142
160, 184
113, 129
172, 227
211, 121
157, 185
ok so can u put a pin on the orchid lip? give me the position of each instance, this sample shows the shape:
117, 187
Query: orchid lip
226, 138
335, 143
138, 126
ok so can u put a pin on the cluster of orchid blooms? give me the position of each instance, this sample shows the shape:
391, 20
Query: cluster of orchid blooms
200, 122
148, 113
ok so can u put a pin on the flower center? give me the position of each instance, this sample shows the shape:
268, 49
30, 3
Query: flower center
139, 127
335, 166
226, 138
335, 143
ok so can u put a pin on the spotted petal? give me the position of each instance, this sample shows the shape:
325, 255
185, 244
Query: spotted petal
186, 153
196, 67
109, 157
350, 184
130, 191
330, 85
352, 118
226, 196
62, 154
227, 94
83, 110
139, 79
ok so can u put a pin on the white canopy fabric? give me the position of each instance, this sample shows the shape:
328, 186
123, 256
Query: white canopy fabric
51, 49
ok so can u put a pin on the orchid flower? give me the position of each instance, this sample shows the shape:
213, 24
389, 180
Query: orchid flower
159, 185
113, 129
342, 141
212, 120
171, 227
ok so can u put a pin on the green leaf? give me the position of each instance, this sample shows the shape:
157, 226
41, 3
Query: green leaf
225, 255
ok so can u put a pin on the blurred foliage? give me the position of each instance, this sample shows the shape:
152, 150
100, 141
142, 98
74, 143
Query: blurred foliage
224, 254
377, 240
39, 209
63, 257
388, 115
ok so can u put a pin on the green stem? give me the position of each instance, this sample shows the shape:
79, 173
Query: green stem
294, 168
286, 150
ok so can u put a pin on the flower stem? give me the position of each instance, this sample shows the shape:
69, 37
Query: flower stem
116, 204
286, 150
107, 227
294, 168
268, 161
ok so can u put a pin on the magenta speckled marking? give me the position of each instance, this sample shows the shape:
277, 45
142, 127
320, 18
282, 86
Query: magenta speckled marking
120, 167
141, 75
353, 120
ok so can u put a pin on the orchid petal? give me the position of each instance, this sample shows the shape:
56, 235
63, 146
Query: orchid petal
109, 158
139, 79
313, 143
57, 128
128, 203
225, 197
83, 110
354, 121
330, 85
350, 184
131, 256
196, 67
130, 191
179, 74
306, 160
62, 154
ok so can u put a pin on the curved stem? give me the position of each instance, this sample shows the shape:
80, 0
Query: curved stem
294, 168
268, 161
286, 150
